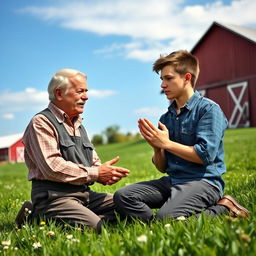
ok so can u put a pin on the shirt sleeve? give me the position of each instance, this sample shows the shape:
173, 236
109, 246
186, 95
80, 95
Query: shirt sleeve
210, 132
42, 149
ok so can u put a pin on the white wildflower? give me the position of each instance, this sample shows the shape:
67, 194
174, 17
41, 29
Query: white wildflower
181, 218
69, 236
50, 233
167, 225
7, 243
37, 245
6, 247
239, 231
142, 238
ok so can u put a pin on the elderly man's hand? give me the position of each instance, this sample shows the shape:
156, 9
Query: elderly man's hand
109, 174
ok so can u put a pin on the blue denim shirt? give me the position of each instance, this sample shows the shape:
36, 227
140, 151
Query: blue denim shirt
201, 124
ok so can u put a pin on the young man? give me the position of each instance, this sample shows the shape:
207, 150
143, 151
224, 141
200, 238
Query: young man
62, 162
188, 146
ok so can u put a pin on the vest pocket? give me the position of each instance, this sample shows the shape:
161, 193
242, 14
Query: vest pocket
68, 150
67, 143
88, 145
88, 149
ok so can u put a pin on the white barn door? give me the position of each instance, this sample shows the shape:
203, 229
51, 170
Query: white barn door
239, 105
20, 154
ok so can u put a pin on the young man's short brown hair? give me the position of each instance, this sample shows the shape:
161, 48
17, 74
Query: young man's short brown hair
182, 61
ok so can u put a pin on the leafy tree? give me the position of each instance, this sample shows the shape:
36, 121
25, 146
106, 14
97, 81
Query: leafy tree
113, 135
110, 132
97, 139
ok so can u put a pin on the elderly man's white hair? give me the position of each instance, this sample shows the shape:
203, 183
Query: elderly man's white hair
61, 80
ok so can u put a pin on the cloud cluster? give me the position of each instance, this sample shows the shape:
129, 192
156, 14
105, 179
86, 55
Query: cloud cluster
33, 99
149, 112
29, 99
8, 116
99, 94
152, 26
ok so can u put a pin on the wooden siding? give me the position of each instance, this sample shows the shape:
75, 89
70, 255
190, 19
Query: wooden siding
227, 59
224, 56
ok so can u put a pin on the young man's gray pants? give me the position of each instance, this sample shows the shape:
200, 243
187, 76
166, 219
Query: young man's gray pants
186, 199
71, 205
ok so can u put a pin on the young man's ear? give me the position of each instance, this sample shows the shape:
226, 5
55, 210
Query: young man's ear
188, 77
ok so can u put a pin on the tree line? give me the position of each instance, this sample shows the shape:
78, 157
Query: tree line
112, 134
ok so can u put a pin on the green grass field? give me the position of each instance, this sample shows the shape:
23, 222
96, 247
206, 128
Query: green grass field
204, 236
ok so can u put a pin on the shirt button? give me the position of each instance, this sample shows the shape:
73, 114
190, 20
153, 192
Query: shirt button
177, 162
177, 118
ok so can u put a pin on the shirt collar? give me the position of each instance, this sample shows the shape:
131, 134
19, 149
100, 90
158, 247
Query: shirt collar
190, 103
61, 116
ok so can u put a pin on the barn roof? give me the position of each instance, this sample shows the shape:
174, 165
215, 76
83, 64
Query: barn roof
245, 32
9, 140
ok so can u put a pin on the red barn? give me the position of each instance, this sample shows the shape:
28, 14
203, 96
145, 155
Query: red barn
227, 55
11, 148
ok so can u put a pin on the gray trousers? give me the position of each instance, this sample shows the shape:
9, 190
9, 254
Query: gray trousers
76, 205
138, 200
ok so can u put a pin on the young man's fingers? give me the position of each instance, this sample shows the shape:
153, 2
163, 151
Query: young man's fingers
144, 124
145, 131
162, 126
150, 125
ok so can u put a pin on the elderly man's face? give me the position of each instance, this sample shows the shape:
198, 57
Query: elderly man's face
72, 101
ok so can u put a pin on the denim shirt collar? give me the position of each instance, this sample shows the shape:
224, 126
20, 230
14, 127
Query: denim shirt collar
189, 105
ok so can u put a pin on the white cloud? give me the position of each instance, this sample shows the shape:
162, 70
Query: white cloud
8, 116
101, 93
153, 26
150, 111
33, 99
29, 99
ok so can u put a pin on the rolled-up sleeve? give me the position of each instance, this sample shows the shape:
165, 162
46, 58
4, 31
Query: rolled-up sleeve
210, 131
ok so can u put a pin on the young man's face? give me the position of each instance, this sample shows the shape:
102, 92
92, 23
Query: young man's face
173, 84
72, 101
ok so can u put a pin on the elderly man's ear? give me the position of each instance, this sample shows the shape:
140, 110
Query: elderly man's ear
58, 94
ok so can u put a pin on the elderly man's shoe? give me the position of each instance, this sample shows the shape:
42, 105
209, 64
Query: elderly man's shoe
235, 209
23, 213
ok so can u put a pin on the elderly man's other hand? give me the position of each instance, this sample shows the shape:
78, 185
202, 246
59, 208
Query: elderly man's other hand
109, 174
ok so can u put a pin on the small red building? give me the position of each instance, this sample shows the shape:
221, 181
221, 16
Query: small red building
227, 56
11, 148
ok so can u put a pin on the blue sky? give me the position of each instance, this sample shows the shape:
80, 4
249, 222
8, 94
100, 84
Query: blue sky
114, 42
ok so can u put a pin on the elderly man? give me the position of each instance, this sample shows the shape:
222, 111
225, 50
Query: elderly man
62, 162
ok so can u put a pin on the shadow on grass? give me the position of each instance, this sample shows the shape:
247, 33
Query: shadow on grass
7, 227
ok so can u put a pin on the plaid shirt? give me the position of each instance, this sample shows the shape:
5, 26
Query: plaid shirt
43, 156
